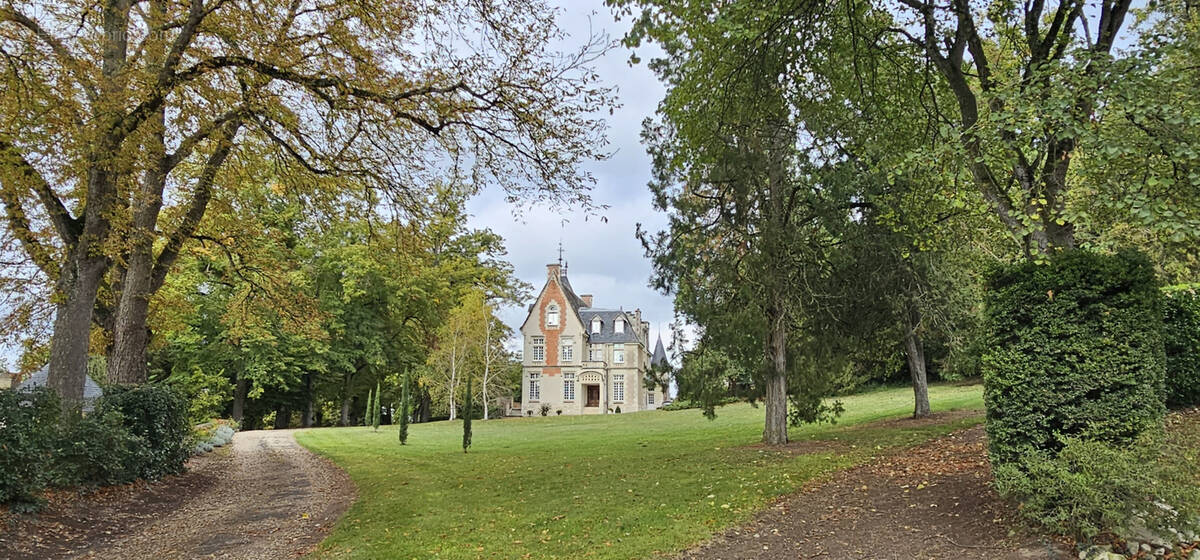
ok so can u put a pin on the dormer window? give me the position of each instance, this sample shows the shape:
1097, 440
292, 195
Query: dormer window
596, 325
619, 326
552, 316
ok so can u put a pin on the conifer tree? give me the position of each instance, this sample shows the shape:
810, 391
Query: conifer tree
376, 412
467, 404
370, 403
404, 396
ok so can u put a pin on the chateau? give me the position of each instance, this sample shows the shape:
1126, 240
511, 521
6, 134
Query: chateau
580, 359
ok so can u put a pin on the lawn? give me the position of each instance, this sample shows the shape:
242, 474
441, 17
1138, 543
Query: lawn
619, 486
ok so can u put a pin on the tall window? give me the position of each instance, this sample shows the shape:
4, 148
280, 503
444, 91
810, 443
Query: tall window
596, 325
568, 349
618, 353
619, 388
650, 397
539, 348
552, 316
568, 386
596, 353
619, 326
535, 389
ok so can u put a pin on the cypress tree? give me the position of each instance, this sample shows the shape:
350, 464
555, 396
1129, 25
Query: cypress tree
404, 410
375, 416
467, 417
370, 403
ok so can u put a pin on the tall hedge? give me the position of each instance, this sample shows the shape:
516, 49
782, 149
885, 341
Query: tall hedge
159, 415
1074, 351
1181, 338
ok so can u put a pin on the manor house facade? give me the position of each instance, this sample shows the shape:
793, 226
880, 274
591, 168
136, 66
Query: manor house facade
582, 359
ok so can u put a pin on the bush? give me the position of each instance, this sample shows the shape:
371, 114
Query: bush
1091, 487
159, 415
544, 409
685, 404
98, 449
1181, 340
1074, 353
28, 434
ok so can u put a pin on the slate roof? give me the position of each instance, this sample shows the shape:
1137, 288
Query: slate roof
660, 354
91, 390
607, 333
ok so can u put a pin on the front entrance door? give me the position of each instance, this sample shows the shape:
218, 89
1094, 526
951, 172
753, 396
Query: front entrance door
593, 395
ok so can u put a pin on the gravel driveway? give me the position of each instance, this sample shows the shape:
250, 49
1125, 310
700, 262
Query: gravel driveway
264, 498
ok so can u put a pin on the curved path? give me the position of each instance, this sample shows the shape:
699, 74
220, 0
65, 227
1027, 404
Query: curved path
263, 497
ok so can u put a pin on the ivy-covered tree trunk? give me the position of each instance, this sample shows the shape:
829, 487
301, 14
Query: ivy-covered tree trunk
914, 349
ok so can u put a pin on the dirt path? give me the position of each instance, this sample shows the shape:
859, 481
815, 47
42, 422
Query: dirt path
263, 497
933, 501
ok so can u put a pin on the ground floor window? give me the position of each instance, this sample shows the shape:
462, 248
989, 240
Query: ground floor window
619, 388
535, 390
650, 397
568, 386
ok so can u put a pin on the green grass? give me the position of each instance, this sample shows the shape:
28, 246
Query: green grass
619, 486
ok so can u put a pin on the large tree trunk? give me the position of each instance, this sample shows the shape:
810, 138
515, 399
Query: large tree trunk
239, 399
775, 428
915, 350
78, 284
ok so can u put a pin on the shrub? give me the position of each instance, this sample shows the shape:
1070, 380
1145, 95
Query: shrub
544, 409
159, 415
28, 434
618, 410
98, 449
1075, 352
1089, 487
1181, 340
685, 404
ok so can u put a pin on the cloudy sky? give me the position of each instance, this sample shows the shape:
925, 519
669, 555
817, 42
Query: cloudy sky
604, 257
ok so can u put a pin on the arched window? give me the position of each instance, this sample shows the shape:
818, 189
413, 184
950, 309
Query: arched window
596, 325
552, 316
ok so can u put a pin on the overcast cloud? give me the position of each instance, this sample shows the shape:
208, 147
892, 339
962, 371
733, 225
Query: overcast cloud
604, 257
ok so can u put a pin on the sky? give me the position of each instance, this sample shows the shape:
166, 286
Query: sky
604, 257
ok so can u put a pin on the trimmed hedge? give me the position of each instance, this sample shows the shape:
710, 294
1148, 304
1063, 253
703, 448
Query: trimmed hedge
159, 415
28, 436
1074, 352
1181, 339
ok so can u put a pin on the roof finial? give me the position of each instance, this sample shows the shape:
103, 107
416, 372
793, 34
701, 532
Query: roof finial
560, 252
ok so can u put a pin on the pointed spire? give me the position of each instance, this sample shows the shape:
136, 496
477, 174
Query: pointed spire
660, 354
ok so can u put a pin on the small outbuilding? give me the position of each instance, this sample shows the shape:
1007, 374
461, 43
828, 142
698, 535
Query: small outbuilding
91, 389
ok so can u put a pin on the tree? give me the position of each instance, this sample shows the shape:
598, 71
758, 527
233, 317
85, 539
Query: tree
405, 408
109, 125
376, 412
749, 223
467, 415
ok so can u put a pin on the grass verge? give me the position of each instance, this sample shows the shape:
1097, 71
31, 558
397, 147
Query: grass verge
618, 486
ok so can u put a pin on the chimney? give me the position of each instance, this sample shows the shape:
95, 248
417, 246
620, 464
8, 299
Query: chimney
637, 314
587, 300
553, 271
